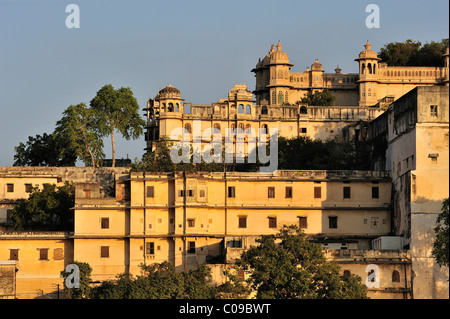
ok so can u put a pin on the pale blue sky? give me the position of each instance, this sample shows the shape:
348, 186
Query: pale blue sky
201, 47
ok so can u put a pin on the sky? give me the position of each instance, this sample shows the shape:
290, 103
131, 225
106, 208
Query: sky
201, 47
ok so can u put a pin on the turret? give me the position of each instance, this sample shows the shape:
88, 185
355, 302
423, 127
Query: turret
368, 76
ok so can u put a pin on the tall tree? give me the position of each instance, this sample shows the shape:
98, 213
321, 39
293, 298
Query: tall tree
45, 150
117, 110
78, 128
288, 266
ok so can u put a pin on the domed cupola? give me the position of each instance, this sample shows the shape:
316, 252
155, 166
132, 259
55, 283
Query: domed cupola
169, 92
278, 56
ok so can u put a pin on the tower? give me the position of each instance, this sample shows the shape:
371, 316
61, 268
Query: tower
368, 76
166, 105
272, 77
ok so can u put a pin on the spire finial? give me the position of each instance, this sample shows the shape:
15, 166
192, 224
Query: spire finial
279, 46
368, 45
272, 48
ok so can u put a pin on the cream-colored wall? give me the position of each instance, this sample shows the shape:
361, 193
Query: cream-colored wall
36, 277
19, 185
103, 268
88, 222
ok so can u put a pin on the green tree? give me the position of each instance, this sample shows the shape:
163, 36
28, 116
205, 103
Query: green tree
49, 208
319, 98
441, 243
304, 153
117, 110
78, 128
412, 53
399, 53
85, 289
45, 150
159, 281
288, 266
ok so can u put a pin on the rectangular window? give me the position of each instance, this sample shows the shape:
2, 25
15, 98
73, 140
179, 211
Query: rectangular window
28, 188
191, 222
242, 221
10, 188
288, 192
231, 192
202, 193
104, 251
181, 194
105, 223
375, 192
317, 192
13, 254
303, 130
374, 222
303, 222
87, 193
150, 249
271, 192
346, 192
150, 191
272, 222
191, 247
332, 222
433, 110
43, 254
191, 193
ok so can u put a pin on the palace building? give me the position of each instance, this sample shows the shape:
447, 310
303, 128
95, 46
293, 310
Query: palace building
378, 220
360, 96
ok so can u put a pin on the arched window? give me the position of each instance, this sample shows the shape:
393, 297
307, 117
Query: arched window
241, 126
374, 68
233, 109
264, 129
264, 109
217, 126
233, 126
170, 108
395, 276
369, 67
164, 107
177, 107
248, 127
248, 109
280, 98
241, 109
363, 69
187, 127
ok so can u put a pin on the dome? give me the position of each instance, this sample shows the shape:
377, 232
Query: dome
169, 92
278, 56
316, 66
368, 53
